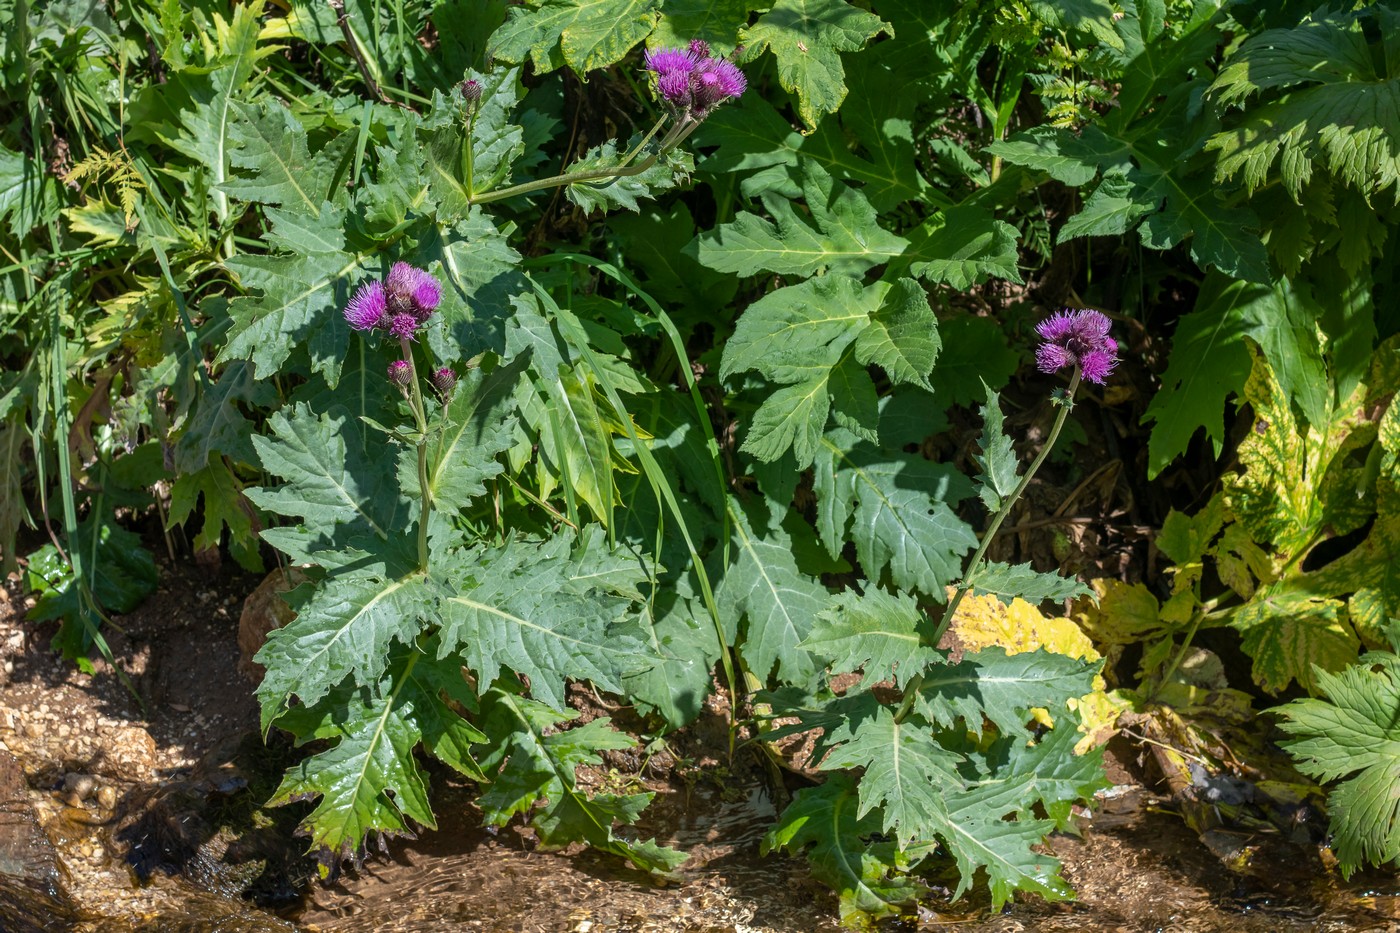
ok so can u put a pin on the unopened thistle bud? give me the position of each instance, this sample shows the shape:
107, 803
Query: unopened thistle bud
445, 380
400, 373
470, 91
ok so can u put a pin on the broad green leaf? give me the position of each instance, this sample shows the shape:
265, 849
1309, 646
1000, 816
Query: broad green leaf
714, 21
676, 686
1341, 108
974, 348
1113, 209
882, 635
902, 337
218, 426
300, 305
544, 612
1058, 778
901, 508
807, 37
654, 242
369, 781
1060, 154
27, 196
477, 427
863, 873
344, 628
962, 247
224, 507
1019, 581
992, 685
797, 335
268, 144
979, 837
855, 403
907, 773
1207, 363
584, 34
333, 476
204, 98
837, 232
528, 761
752, 135
582, 441
1352, 736
780, 603
997, 464
1292, 637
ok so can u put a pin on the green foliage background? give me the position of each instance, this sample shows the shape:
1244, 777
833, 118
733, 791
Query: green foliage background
690, 452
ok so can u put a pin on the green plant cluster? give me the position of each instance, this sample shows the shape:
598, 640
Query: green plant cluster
689, 450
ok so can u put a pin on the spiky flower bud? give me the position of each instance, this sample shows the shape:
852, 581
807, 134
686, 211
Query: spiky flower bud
470, 91
401, 373
445, 380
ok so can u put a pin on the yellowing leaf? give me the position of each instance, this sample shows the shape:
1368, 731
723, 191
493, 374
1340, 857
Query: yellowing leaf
984, 621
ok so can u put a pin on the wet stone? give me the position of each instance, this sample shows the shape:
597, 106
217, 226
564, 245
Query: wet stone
31, 894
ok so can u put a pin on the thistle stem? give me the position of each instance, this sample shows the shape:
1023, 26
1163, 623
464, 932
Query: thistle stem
911, 690
673, 138
421, 419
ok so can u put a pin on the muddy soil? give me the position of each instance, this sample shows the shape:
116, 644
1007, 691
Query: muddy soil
122, 812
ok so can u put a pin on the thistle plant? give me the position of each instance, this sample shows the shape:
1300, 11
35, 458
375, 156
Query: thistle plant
953, 764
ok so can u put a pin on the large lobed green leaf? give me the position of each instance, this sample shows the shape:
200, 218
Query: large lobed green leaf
528, 760
898, 509
551, 611
1351, 735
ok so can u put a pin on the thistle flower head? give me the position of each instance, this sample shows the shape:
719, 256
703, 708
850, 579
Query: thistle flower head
400, 304
412, 290
1077, 338
715, 81
470, 90
367, 307
445, 380
403, 326
400, 373
692, 80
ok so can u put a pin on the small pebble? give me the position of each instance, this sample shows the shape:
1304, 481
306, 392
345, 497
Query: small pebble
107, 797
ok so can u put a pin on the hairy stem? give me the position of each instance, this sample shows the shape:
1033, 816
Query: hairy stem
420, 418
911, 690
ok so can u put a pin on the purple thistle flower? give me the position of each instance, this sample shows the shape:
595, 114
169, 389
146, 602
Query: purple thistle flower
403, 325
1077, 338
412, 290
715, 81
674, 87
470, 91
400, 373
694, 81
367, 307
662, 62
